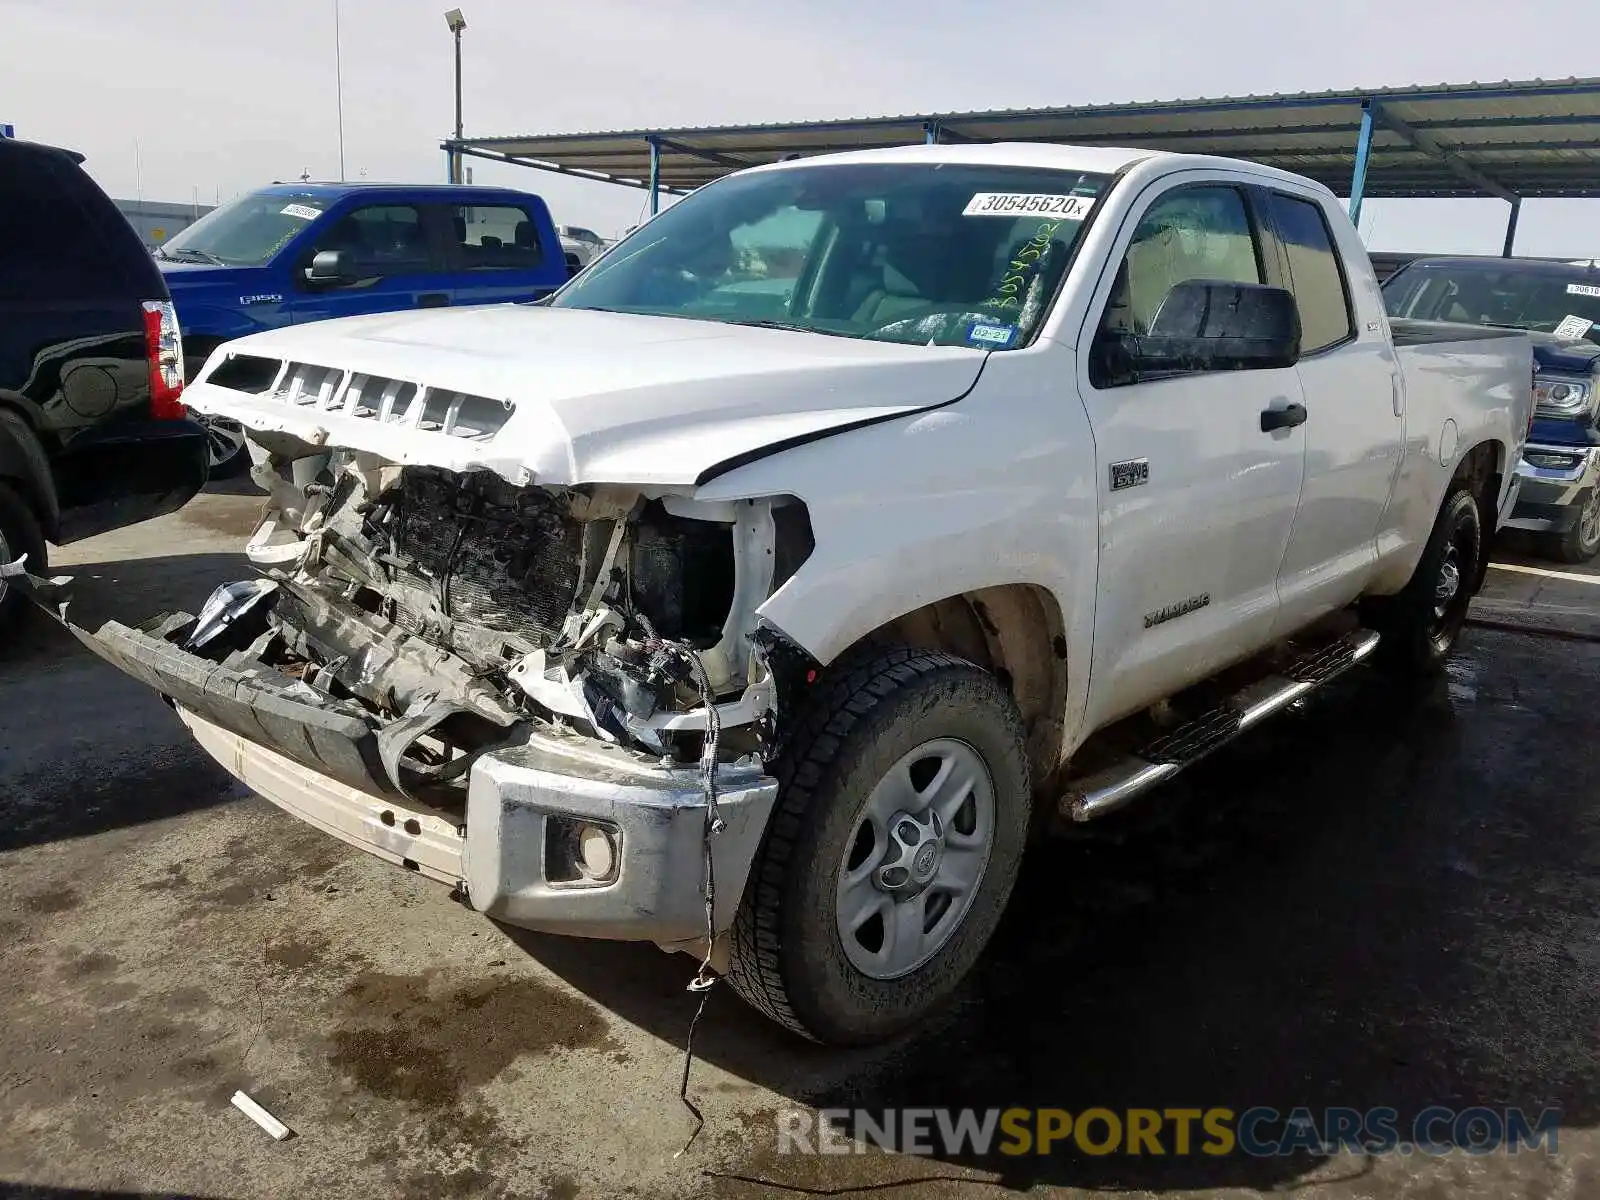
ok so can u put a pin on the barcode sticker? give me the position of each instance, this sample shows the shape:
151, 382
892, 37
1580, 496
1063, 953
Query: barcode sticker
1028, 204
304, 211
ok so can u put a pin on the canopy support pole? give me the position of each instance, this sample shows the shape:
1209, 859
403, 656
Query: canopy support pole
655, 175
1511, 227
1358, 179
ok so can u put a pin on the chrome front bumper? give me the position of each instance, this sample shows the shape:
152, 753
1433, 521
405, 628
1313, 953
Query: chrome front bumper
1554, 480
501, 855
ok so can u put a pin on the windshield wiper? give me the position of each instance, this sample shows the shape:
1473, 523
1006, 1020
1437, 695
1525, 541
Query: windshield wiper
791, 326
193, 255
768, 323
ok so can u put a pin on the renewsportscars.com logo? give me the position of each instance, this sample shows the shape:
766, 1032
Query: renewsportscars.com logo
1257, 1132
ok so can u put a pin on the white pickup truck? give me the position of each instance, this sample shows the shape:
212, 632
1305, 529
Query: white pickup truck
850, 523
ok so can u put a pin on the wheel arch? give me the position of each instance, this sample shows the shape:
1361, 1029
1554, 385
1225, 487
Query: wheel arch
1016, 632
1484, 469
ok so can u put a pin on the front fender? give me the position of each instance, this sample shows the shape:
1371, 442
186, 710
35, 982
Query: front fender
215, 324
995, 489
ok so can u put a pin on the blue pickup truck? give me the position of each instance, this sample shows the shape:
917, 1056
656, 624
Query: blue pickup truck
310, 251
1559, 304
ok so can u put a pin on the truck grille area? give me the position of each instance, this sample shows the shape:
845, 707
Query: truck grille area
505, 559
372, 397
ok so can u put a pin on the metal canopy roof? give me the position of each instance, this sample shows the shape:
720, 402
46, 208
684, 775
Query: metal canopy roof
1532, 139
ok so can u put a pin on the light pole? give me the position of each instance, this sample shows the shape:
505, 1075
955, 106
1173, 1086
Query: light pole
338, 84
457, 23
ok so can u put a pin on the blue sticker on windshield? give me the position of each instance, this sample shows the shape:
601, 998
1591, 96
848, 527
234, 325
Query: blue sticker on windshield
996, 336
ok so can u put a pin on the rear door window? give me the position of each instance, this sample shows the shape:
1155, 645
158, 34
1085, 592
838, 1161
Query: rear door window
60, 239
488, 237
1314, 272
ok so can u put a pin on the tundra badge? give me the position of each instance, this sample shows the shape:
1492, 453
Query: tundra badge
1173, 611
1133, 472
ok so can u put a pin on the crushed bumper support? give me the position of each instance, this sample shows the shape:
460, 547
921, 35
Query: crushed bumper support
323, 765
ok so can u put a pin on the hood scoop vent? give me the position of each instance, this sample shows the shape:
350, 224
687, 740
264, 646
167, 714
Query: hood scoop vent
374, 397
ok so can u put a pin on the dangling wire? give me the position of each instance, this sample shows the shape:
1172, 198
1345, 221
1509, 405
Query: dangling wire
705, 978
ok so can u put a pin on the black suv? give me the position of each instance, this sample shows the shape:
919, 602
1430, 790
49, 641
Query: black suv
93, 433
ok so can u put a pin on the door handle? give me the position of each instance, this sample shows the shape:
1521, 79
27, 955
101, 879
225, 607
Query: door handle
433, 300
1286, 417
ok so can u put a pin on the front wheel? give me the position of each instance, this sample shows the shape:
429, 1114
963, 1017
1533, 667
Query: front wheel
902, 813
1422, 624
1582, 542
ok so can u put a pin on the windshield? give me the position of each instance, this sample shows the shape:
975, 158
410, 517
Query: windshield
1518, 296
952, 254
245, 232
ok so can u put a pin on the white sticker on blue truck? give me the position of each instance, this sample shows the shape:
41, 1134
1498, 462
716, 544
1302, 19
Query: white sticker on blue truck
1582, 289
1028, 204
1574, 328
304, 211
995, 336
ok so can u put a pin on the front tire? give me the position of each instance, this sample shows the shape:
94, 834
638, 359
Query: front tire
1422, 624
902, 813
1582, 542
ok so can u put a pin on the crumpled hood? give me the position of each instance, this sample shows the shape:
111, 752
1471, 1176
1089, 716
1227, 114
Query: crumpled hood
593, 397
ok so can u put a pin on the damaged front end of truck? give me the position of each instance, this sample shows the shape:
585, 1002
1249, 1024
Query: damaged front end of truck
535, 693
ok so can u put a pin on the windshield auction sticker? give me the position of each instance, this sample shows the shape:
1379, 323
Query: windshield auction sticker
1574, 328
304, 211
1028, 204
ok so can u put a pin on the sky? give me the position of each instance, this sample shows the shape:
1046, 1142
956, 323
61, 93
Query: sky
203, 99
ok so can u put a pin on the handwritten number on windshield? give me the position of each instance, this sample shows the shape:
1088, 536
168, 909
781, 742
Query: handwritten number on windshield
1013, 285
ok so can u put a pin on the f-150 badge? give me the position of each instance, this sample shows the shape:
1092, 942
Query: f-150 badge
1132, 472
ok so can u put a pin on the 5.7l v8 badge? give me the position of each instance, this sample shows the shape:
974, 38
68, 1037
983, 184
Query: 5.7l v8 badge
1132, 472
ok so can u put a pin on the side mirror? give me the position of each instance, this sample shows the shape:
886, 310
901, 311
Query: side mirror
1209, 325
328, 267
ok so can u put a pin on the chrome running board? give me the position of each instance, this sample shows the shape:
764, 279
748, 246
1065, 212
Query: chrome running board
1113, 787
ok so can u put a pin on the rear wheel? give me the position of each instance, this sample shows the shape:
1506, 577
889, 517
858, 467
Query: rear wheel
226, 452
902, 813
1582, 542
19, 535
1422, 624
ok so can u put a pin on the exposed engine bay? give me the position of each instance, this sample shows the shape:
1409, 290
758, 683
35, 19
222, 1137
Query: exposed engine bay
457, 610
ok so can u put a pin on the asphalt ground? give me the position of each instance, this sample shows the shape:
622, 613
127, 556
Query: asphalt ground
1389, 900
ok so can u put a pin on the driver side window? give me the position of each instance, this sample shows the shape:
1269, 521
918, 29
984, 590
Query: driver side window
378, 240
1193, 233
